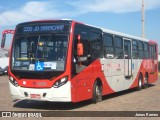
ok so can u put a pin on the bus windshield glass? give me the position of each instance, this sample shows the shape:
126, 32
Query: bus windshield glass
39, 52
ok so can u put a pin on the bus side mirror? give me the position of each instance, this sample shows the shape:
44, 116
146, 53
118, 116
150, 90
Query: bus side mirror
79, 46
3, 40
6, 35
79, 49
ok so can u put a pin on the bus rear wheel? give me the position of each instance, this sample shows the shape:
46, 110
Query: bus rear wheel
145, 81
97, 93
139, 82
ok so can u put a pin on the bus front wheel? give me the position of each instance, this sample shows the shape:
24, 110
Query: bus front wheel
97, 92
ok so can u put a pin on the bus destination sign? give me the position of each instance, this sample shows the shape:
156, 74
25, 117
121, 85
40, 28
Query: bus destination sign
43, 28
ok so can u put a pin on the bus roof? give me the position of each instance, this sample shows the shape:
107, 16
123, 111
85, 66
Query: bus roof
119, 34
124, 35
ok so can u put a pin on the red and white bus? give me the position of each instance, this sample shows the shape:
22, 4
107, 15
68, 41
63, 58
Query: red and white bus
68, 61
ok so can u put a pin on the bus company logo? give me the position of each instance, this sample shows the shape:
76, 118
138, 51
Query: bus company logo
40, 83
6, 114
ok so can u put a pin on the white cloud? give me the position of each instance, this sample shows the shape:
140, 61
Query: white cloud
35, 10
31, 11
42, 10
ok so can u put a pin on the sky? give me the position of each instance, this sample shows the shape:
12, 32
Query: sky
118, 15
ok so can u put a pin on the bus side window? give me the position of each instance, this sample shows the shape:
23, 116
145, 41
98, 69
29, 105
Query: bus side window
108, 46
94, 45
118, 48
135, 49
146, 50
141, 50
84, 33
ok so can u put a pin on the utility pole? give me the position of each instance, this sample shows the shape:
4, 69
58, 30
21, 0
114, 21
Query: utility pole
143, 20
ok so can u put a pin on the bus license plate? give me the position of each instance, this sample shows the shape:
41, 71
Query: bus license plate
35, 96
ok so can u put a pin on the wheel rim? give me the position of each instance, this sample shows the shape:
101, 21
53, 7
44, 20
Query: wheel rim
97, 92
145, 80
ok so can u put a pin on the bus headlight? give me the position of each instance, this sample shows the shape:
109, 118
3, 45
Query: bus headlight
60, 82
13, 81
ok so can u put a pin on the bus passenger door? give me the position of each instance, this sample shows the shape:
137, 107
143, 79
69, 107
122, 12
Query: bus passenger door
127, 59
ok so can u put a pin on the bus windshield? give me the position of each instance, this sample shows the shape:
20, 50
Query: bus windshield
39, 52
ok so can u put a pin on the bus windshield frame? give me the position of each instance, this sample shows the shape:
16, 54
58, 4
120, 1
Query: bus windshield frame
34, 46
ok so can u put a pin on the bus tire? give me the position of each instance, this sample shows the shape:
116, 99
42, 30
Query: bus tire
139, 87
145, 85
97, 92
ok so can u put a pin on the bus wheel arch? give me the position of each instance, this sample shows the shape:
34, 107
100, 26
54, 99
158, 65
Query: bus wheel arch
145, 81
97, 91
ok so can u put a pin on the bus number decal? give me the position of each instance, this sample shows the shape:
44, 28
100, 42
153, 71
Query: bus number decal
28, 29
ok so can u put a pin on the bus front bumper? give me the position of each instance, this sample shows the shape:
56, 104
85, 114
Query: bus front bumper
61, 94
